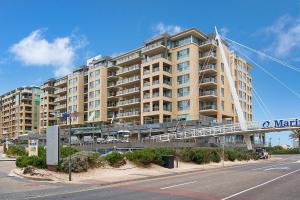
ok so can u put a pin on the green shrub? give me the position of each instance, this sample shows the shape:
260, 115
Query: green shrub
16, 150
115, 159
35, 161
65, 151
281, 150
82, 161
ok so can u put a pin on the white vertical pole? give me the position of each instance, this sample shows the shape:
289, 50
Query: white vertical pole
233, 91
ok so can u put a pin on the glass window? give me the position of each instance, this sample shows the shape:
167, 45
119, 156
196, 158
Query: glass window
91, 95
222, 67
70, 82
183, 53
183, 105
97, 114
70, 91
183, 91
92, 85
97, 93
222, 92
97, 83
91, 74
75, 98
183, 66
97, 104
222, 79
182, 41
97, 72
91, 105
183, 79
223, 105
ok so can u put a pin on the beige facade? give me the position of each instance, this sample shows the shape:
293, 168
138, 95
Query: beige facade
19, 111
171, 77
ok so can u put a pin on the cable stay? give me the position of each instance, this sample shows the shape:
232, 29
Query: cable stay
265, 55
273, 76
262, 105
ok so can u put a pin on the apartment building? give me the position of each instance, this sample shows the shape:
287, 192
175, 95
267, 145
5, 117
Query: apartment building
19, 111
171, 77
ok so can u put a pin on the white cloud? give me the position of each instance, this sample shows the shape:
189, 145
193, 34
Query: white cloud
224, 31
285, 33
59, 53
163, 28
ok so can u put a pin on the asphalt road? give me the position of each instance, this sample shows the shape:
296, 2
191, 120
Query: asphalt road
278, 180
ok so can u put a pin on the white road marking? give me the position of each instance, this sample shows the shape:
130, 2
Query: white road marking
265, 183
298, 161
278, 168
163, 188
272, 166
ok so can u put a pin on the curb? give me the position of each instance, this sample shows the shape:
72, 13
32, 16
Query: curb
32, 178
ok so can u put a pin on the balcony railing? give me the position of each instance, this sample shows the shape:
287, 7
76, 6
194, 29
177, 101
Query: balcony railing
146, 84
128, 69
205, 67
128, 80
207, 54
130, 113
146, 72
60, 107
209, 41
208, 93
209, 80
156, 94
128, 58
60, 90
159, 56
128, 101
152, 46
60, 82
63, 98
208, 107
128, 91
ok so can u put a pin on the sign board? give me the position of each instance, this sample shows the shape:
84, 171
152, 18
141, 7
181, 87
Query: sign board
279, 123
52, 145
33, 147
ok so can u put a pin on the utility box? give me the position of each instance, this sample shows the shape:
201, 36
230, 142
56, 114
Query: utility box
168, 161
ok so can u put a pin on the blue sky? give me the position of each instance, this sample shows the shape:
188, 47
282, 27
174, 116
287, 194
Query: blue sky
42, 39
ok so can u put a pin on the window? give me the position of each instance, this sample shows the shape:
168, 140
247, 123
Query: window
183, 91
70, 91
91, 95
91, 74
97, 83
182, 41
222, 67
183, 79
97, 114
183, 105
92, 85
223, 105
91, 105
183, 53
97, 104
222, 79
97, 72
222, 92
184, 117
183, 66
70, 99
70, 82
97, 93
75, 89
74, 98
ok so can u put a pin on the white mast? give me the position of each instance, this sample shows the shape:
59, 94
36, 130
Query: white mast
233, 91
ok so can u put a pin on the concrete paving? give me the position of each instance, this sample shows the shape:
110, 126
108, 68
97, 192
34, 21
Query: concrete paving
267, 180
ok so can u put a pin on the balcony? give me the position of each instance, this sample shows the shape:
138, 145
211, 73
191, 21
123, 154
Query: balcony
156, 94
153, 58
60, 91
128, 70
133, 113
128, 91
129, 59
208, 81
208, 94
208, 108
60, 99
112, 75
146, 72
128, 102
154, 49
60, 107
46, 86
146, 84
128, 80
60, 82
208, 69
207, 57
208, 44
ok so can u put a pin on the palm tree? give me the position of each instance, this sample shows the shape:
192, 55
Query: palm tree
296, 134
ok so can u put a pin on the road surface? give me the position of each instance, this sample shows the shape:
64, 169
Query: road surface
276, 180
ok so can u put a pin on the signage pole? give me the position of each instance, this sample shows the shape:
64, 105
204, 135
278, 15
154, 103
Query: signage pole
70, 167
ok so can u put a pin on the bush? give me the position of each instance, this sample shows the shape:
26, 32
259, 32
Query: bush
144, 157
65, 151
115, 159
281, 150
15, 150
82, 161
200, 155
35, 161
